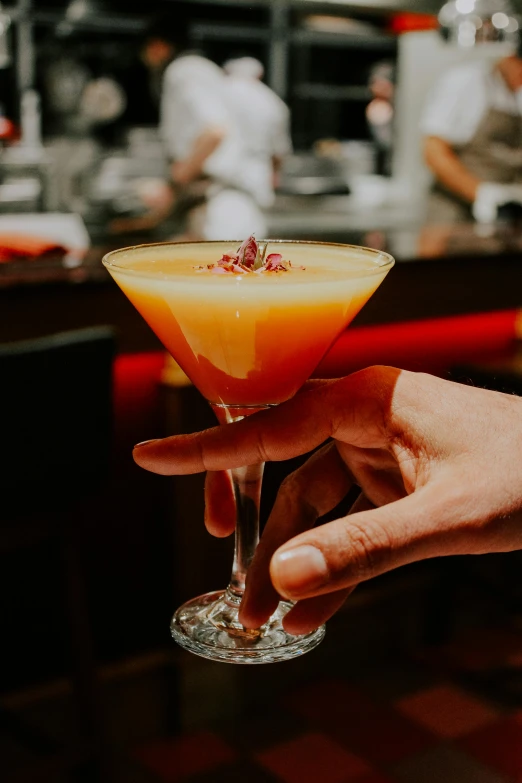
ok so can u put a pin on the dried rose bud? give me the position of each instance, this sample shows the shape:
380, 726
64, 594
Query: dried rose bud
248, 251
249, 258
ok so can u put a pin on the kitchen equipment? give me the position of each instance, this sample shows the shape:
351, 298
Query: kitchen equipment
306, 174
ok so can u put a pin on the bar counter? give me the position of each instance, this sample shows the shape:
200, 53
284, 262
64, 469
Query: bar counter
440, 271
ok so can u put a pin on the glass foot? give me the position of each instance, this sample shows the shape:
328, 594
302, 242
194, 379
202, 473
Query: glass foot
208, 626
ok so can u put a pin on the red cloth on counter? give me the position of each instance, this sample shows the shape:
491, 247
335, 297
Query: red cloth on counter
17, 247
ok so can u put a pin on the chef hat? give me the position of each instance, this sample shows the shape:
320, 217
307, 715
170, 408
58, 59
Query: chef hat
247, 67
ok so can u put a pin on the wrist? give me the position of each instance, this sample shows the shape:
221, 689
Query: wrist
184, 172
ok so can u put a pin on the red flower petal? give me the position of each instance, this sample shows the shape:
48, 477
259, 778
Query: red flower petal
226, 260
274, 263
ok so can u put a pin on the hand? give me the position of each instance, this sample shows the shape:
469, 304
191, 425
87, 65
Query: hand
490, 196
438, 465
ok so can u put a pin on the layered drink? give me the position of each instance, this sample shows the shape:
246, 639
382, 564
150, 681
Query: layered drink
248, 338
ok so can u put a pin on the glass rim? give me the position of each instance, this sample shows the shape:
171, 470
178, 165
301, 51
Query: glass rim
387, 260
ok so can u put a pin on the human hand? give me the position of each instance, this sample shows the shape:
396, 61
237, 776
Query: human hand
490, 196
438, 465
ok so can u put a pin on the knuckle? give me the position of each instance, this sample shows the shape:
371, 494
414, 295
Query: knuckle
262, 448
291, 484
367, 547
293, 491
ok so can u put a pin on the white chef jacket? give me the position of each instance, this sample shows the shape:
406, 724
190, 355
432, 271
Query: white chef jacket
263, 120
194, 98
462, 96
191, 100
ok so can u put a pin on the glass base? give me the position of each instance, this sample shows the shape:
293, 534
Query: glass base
208, 626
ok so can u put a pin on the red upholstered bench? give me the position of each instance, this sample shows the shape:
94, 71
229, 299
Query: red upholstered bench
432, 345
137, 409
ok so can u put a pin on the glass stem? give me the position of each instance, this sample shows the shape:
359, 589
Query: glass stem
247, 490
246, 483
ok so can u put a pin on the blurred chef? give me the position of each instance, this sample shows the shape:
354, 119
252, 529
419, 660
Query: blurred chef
264, 122
214, 181
472, 126
380, 112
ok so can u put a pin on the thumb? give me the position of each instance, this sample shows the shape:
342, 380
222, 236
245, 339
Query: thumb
355, 548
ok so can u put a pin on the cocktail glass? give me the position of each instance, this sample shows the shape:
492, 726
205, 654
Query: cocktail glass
247, 342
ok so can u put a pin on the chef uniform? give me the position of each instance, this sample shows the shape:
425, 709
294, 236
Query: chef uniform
473, 109
194, 99
263, 120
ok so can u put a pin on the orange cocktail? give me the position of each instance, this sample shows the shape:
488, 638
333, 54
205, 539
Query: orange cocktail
248, 325
254, 338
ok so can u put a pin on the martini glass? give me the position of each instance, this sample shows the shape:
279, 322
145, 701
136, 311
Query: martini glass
247, 341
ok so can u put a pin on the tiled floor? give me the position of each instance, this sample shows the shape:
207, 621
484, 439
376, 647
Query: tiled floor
442, 733
427, 718
352, 711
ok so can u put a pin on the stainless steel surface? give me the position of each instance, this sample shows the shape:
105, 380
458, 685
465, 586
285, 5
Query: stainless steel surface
24, 178
308, 174
20, 194
332, 216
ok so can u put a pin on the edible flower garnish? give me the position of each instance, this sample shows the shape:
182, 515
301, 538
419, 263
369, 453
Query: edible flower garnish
250, 257
275, 263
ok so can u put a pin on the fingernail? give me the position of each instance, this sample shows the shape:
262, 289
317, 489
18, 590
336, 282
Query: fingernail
299, 570
145, 442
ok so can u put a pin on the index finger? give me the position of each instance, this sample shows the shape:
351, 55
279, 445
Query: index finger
280, 433
349, 405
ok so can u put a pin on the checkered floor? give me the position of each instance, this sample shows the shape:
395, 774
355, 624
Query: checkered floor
446, 715
369, 705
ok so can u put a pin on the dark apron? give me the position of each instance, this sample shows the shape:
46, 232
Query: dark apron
494, 154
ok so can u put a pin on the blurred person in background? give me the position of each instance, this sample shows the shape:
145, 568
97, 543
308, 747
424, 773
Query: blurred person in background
157, 52
264, 122
380, 112
472, 127
215, 182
